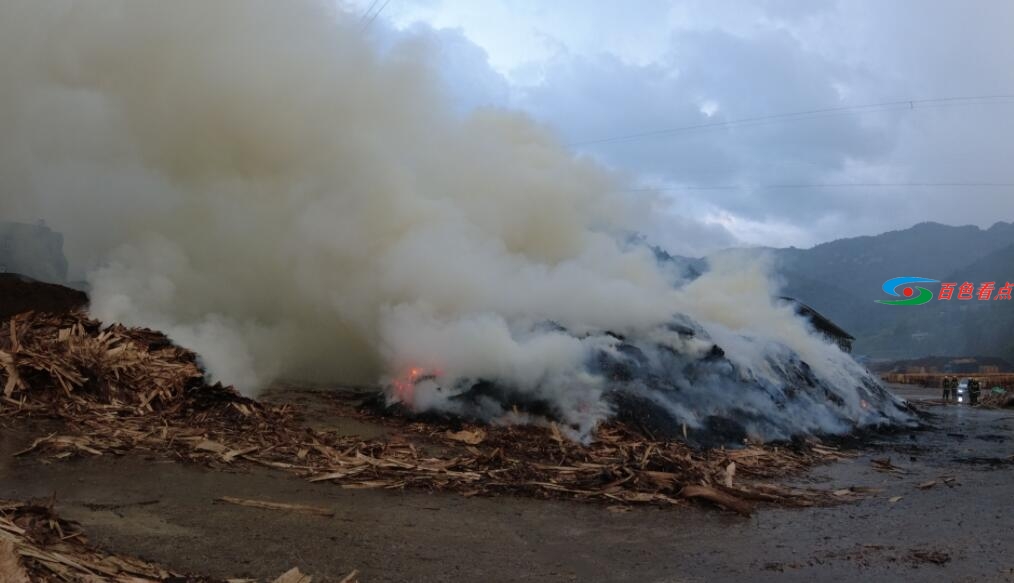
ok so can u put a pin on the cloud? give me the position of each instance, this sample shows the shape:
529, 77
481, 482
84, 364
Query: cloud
594, 71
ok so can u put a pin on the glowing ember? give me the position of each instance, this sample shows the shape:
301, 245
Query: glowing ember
404, 384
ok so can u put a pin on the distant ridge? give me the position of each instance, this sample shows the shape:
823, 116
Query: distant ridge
842, 279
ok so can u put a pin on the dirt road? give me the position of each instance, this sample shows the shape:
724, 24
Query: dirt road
947, 531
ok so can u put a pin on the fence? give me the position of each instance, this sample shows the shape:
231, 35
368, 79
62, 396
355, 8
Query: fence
935, 380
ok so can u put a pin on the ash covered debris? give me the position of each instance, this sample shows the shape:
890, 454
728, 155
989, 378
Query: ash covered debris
678, 382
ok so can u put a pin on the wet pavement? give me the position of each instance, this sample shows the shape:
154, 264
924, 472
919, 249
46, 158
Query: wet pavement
959, 528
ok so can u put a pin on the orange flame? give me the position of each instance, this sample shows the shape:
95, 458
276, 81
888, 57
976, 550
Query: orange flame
404, 384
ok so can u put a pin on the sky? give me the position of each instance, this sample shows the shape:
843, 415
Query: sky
598, 70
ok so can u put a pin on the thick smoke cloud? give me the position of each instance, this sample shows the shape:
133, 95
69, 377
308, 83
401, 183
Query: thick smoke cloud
257, 180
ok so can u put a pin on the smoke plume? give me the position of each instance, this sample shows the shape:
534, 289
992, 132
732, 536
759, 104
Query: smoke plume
258, 180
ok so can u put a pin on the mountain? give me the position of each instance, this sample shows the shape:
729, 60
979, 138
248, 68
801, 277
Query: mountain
960, 327
842, 279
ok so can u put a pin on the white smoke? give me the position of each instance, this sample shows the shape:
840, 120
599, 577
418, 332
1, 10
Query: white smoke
256, 179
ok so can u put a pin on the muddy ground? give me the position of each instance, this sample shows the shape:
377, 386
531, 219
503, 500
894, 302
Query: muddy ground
166, 512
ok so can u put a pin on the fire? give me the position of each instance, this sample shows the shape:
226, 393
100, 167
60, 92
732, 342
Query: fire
404, 384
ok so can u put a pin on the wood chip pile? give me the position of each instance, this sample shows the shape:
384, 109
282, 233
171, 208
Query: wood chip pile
36, 545
120, 389
997, 400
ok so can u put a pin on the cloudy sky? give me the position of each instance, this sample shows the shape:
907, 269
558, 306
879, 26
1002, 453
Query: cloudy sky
609, 69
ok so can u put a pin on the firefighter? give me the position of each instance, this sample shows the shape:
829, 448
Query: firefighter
947, 388
973, 391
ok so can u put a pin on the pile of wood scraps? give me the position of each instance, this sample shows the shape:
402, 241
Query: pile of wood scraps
36, 545
997, 398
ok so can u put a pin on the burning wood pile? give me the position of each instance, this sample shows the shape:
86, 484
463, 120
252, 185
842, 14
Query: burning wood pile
119, 389
676, 381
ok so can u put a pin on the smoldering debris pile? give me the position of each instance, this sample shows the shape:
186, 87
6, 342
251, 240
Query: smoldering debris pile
677, 382
119, 389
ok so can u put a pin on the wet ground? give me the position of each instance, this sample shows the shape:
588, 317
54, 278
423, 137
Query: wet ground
959, 528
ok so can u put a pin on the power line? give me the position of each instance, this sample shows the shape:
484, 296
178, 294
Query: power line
825, 185
368, 10
909, 104
376, 14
